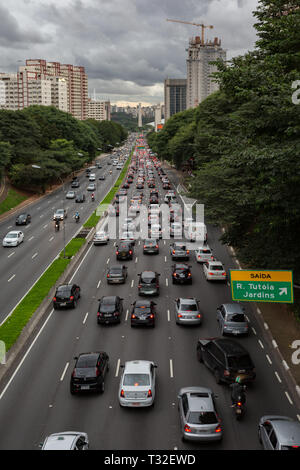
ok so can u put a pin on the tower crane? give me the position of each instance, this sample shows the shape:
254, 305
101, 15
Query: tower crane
194, 24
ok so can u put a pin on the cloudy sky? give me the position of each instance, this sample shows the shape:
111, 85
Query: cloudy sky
127, 46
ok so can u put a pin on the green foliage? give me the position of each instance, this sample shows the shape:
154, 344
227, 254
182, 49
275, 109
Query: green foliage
12, 200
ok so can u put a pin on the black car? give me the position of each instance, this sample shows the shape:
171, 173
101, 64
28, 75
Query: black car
110, 309
23, 219
143, 313
66, 295
179, 251
181, 274
75, 184
124, 250
116, 274
80, 198
89, 372
150, 246
227, 359
148, 283
102, 178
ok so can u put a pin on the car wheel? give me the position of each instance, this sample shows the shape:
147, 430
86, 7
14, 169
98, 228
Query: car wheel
199, 353
217, 376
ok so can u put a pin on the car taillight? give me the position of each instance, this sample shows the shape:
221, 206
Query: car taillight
117, 252
218, 429
108, 275
133, 316
117, 314
179, 316
156, 246
187, 252
198, 316
149, 393
130, 252
151, 316
175, 274
54, 298
223, 274
187, 428
173, 252
145, 246
122, 393
239, 403
71, 297
210, 273
189, 274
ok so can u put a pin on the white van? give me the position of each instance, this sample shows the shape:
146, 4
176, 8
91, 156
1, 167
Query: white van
196, 231
92, 177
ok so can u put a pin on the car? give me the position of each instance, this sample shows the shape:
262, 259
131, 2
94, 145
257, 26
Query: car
153, 219
102, 177
137, 384
155, 231
214, 271
101, 238
91, 187
203, 253
80, 198
199, 420
279, 433
187, 311
148, 283
116, 274
154, 209
23, 219
119, 167
110, 309
92, 177
151, 246
232, 319
227, 359
181, 274
60, 214
89, 372
179, 251
143, 313
70, 195
13, 238
128, 236
75, 184
69, 440
176, 230
66, 295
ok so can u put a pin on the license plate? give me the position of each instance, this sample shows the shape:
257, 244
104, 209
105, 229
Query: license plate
238, 411
85, 387
136, 403
107, 314
63, 304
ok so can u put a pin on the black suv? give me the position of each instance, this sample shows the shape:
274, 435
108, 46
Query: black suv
143, 313
148, 283
23, 219
124, 250
66, 295
227, 359
89, 372
110, 309
181, 274
150, 246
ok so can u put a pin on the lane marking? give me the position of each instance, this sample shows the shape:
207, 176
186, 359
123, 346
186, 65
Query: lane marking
288, 397
171, 369
11, 278
85, 318
261, 345
278, 378
167, 282
98, 285
132, 283
126, 317
30, 238
45, 226
117, 368
107, 261
50, 239
11, 254
168, 313
34, 256
64, 371
268, 357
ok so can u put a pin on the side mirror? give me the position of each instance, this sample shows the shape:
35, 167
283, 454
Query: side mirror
75, 357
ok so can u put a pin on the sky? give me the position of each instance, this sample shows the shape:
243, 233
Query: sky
126, 46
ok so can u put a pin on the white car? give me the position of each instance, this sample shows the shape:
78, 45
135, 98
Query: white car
153, 219
101, 238
155, 231
214, 271
70, 195
154, 209
203, 253
60, 214
92, 177
137, 384
66, 441
13, 238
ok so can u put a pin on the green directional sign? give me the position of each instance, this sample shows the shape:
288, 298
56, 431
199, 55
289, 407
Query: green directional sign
261, 286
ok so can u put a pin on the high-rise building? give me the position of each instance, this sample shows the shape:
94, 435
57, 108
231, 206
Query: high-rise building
157, 116
175, 96
140, 120
200, 83
99, 110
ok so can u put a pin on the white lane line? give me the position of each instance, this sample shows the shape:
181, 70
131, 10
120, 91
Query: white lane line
81, 263
171, 369
277, 375
9, 226
107, 261
126, 317
168, 313
85, 318
98, 285
269, 360
274, 343
132, 283
41, 216
165, 259
25, 355
285, 365
50, 239
117, 368
64, 372
288, 397
11, 254
164, 242
136, 259
11, 278
167, 282
261, 345
30, 238
34, 256
45, 226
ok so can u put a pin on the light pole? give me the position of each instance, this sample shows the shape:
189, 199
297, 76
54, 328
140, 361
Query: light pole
63, 201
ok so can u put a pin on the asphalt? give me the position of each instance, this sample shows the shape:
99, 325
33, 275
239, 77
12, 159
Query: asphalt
37, 402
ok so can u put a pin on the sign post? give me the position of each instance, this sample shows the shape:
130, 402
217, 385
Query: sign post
261, 286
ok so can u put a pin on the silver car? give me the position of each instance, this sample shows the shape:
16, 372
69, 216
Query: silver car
70, 195
203, 253
179, 251
137, 384
66, 441
187, 311
198, 417
101, 238
60, 214
214, 271
279, 433
232, 319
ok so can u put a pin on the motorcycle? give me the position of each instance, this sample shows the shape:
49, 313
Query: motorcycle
56, 226
239, 410
93, 198
77, 217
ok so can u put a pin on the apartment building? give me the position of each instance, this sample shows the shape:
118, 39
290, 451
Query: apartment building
99, 110
174, 96
200, 83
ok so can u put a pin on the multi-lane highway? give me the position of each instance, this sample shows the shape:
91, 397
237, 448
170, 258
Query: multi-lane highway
37, 401
21, 266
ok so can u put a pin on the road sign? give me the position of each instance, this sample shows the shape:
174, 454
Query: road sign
262, 286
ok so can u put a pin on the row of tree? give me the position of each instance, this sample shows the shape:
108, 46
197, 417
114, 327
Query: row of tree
53, 140
245, 140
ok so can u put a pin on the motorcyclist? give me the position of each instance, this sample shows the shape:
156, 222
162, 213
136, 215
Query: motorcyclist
57, 222
77, 215
93, 196
237, 391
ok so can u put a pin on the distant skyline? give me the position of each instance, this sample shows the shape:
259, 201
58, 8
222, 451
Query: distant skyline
126, 46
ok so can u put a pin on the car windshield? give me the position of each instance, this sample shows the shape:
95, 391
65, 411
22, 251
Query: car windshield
87, 361
236, 317
148, 278
136, 380
189, 307
142, 310
217, 267
60, 211
206, 252
63, 290
115, 270
206, 417
11, 235
108, 301
240, 362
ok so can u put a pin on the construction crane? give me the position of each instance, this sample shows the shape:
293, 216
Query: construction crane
195, 24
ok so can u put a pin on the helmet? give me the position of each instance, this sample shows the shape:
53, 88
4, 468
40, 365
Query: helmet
238, 379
